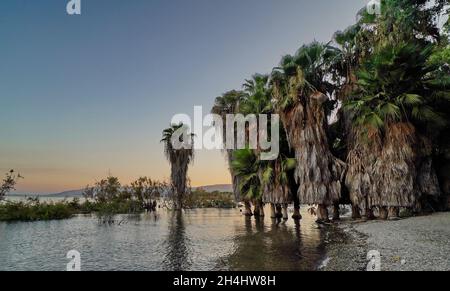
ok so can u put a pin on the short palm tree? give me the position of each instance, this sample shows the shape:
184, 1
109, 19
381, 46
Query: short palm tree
179, 158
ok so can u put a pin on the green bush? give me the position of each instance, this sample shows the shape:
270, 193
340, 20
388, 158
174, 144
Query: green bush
33, 210
203, 199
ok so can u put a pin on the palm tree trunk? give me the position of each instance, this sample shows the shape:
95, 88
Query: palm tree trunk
248, 208
285, 211
273, 211
359, 179
322, 213
370, 214
256, 208
279, 212
234, 178
296, 215
318, 172
356, 214
179, 203
336, 215
393, 213
261, 210
395, 171
383, 213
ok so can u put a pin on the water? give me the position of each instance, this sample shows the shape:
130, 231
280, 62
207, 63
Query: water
206, 239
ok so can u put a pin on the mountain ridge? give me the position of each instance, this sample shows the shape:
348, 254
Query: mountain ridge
79, 193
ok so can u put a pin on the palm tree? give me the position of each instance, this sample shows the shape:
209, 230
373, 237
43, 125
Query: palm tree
394, 97
393, 108
256, 101
301, 89
179, 157
228, 103
265, 181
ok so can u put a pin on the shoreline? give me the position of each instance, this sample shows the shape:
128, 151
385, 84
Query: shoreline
414, 244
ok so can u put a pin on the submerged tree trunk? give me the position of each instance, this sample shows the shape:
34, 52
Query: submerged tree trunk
273, 211
336, 214
279, 211
258, 206
261, 210
322, 213
275, 192
296, 215
248, 208
285, 211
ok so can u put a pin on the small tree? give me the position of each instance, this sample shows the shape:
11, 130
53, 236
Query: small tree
9, 184
146, 190
105, 190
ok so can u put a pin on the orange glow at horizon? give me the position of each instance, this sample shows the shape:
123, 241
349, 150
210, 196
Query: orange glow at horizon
209, 168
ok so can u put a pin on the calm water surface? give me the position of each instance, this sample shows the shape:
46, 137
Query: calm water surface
207, 239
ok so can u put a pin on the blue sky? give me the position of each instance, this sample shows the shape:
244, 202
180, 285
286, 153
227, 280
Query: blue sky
84, 96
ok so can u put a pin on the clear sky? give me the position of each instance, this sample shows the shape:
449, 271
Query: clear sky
84, 96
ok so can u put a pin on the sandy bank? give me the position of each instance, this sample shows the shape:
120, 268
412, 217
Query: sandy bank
414, 244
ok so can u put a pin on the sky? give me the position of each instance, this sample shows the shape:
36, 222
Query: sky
88, 95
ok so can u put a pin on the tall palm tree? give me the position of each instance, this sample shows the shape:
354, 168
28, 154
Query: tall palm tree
179, 158
256, 101
395, 99
301, 90
228, 103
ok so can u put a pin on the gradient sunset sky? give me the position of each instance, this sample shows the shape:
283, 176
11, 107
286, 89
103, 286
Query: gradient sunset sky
84, 96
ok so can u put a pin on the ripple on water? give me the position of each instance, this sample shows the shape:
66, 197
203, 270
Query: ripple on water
205, 239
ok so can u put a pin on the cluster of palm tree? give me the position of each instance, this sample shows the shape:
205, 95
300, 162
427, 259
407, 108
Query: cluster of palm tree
365, 118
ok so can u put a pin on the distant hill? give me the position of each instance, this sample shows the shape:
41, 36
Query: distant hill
79, 193
219, 188
72, 193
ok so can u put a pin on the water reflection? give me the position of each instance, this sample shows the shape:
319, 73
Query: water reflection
204, 239
272, 244
177, 256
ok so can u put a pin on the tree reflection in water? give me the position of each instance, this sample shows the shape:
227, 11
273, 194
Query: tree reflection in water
177, 248
269, 244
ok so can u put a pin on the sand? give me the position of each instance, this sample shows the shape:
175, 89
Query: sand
413, 244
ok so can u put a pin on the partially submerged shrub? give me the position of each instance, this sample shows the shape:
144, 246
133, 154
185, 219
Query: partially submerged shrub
203, 199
